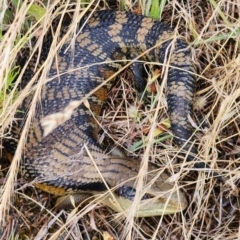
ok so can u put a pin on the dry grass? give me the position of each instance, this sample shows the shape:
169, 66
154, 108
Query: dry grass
213, 212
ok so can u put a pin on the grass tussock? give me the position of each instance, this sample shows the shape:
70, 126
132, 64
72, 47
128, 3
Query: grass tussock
212, 29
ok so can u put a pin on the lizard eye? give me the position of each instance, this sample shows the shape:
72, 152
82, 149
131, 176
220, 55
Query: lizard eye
147, 196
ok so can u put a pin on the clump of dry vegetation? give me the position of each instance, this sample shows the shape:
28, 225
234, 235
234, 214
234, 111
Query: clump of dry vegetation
212, 29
